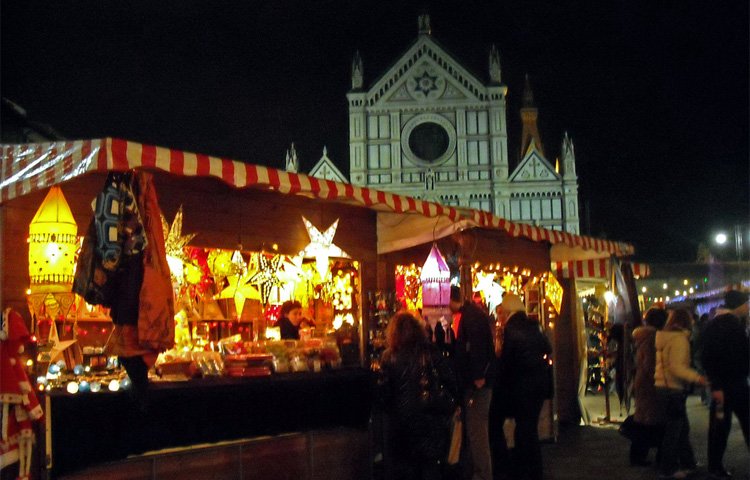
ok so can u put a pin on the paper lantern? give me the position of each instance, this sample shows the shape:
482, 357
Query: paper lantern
52, 245
436, 289
436, 275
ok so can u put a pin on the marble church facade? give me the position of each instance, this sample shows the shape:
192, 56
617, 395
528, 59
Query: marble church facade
431, 129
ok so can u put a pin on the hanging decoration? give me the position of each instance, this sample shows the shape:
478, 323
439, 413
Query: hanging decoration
553, 291
492, 292
175, 243
409, 286
240, 287
342, 291
53, 243
321, 246
436, 288
267, 276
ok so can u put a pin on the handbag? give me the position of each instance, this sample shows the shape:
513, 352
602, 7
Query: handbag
454, 448
629, 428
435, 398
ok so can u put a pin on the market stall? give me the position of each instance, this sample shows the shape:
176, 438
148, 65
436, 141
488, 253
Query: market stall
604, 306
240, 239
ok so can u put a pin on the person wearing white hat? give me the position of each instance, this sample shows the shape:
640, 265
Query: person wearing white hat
524, 381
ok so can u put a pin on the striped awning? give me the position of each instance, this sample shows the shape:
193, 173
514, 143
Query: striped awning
26, 168
593, 268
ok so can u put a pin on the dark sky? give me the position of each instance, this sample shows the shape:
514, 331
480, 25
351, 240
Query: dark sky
653, 93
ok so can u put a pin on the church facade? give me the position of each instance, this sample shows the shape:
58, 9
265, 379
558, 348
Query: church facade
430, 129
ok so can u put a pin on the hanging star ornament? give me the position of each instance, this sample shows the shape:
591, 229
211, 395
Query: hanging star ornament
240, 288
175, 242
321, 246
267, 276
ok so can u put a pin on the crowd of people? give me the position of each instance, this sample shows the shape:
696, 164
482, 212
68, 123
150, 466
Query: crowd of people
496, 369
667, 370
488, 371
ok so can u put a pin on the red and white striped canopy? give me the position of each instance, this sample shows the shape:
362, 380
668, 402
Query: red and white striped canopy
593, 268
25, 168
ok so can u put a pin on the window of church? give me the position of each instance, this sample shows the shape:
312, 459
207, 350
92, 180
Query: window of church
447, 176
536, 209
557, 208
546, 209
378, 156
478, 175
525, 209
429, 141
378, 127
477, 153
476, 123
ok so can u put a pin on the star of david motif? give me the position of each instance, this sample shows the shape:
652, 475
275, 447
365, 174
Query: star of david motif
426, 83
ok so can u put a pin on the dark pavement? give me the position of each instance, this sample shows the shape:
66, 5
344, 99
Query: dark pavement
599, 452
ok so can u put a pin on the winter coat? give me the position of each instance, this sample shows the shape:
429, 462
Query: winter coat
475, 348
287, 329
414, 430
524, 359
673, 360
726, 354
647, 411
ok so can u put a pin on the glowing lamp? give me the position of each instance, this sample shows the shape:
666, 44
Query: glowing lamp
52, 245
436, 287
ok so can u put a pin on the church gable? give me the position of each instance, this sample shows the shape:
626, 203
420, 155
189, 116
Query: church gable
534, 167
326, 170
426, 72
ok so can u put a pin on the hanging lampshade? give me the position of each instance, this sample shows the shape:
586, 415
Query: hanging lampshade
435, 279
52, 245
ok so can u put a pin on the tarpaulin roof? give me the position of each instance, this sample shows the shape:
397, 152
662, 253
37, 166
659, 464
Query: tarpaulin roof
25, 168
593, 268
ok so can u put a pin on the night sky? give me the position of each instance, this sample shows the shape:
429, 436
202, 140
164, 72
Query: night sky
654, 94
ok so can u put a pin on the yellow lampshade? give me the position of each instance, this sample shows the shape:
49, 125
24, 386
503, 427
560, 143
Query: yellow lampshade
52, 245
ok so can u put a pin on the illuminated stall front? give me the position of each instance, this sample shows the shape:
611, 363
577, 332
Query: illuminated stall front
240, 240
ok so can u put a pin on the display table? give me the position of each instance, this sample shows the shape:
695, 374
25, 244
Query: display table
88, 429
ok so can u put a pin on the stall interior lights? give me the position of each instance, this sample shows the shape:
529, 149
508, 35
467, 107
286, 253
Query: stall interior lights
409, 286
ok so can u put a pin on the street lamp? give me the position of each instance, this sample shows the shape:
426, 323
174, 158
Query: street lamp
721, 238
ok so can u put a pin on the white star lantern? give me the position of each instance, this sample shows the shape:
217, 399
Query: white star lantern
321, 246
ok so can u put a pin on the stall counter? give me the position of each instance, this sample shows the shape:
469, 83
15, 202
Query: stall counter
89, 429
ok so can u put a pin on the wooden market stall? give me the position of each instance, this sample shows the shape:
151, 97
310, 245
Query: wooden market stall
228, 205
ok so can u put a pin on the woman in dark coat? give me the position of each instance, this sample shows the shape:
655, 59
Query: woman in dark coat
416, 424
290, 318
649, 417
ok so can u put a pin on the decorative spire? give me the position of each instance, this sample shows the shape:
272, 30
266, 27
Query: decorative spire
568, 157
528, 95
357, 72
495, 65
292, 165
529, 114
424, 24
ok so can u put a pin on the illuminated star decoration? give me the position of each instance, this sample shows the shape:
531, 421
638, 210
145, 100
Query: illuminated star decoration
240, 288
492, 291
267, 276
426, 83
57, 346
175, 243
321, 246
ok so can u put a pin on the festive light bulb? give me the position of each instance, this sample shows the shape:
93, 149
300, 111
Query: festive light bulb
95, 387
114, 385
72, 387
84, 386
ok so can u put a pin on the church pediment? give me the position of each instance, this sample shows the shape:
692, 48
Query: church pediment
327, 170
534, 167
425, 73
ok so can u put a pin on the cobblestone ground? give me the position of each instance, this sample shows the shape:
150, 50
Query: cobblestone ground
599, 452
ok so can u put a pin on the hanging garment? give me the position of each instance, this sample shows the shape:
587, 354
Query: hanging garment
156, 306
